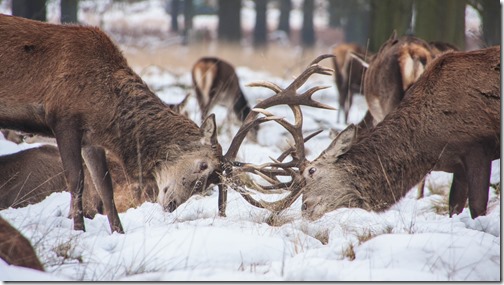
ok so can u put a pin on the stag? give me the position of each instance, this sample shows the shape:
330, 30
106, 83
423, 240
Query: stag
449, 120
15, 249
348, 75
91, 101
216, 83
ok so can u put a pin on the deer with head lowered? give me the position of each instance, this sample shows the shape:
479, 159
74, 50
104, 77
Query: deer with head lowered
392, 70
216, 83
448, 120
91, 101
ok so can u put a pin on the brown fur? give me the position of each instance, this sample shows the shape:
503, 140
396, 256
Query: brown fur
449, 120
216, 83
398, 63
15, 249
348, 75
29, 176
73, 83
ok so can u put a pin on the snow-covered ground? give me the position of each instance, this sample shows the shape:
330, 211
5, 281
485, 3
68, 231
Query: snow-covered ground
411, 241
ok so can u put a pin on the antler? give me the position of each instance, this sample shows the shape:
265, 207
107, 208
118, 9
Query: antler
270, 171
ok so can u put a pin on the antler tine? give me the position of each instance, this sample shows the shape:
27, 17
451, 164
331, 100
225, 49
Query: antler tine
242, 133
266, 84
291, 149
301, 79
320, 58
271, 171
276, 206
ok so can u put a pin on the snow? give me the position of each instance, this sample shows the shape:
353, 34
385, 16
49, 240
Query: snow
409, 242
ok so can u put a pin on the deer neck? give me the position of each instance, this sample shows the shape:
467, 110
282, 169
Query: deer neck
388, 162
145, 131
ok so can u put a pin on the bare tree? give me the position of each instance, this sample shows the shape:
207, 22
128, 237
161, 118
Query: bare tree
308, 30
229, 27
31, 9
284, 21
260, 29
69, 11
441, 21
175, 7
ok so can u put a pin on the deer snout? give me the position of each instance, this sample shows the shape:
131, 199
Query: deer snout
312, 208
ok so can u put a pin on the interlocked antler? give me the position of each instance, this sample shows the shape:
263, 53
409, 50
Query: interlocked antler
270, 171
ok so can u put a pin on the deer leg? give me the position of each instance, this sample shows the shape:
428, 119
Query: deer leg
458, 191
420, 188
68, 138
97, 165
222, 202
478, 167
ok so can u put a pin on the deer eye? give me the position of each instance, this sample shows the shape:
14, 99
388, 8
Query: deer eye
304, 207
312, 170
203, 166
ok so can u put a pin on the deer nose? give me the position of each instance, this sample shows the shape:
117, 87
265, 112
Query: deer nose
171, 206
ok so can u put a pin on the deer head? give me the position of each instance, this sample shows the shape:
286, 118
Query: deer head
192, 172
449, 120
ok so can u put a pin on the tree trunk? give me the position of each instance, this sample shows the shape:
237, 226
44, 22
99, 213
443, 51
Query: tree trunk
491, 21
260, 29
229, 27
31, 9
387, 16
441, 21
308, 30
284, 21
69, 11
188, 20
175, 7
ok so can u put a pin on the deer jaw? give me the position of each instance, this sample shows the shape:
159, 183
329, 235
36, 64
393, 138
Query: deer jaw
178, 180
189, 175
328, 180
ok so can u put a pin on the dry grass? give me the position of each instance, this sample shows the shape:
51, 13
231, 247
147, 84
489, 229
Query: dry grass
276, 60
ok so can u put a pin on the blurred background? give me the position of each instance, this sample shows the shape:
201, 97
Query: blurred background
277, 36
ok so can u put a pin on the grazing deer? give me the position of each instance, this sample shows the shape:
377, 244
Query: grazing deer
30, 175
15, 249
348, 75
394, 68
449, 120
216, 83
91, 101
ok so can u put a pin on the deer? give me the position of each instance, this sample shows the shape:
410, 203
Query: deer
30, 175
216, 83
348, 75
88, 98
15, 249
391, 71
398, 63
448, 120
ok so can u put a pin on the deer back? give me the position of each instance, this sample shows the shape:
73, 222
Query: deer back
72, 82
15, 249
452, 110
398, 64
216, 83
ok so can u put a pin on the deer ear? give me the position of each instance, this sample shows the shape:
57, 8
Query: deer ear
209, 131
393, 36
342, 143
